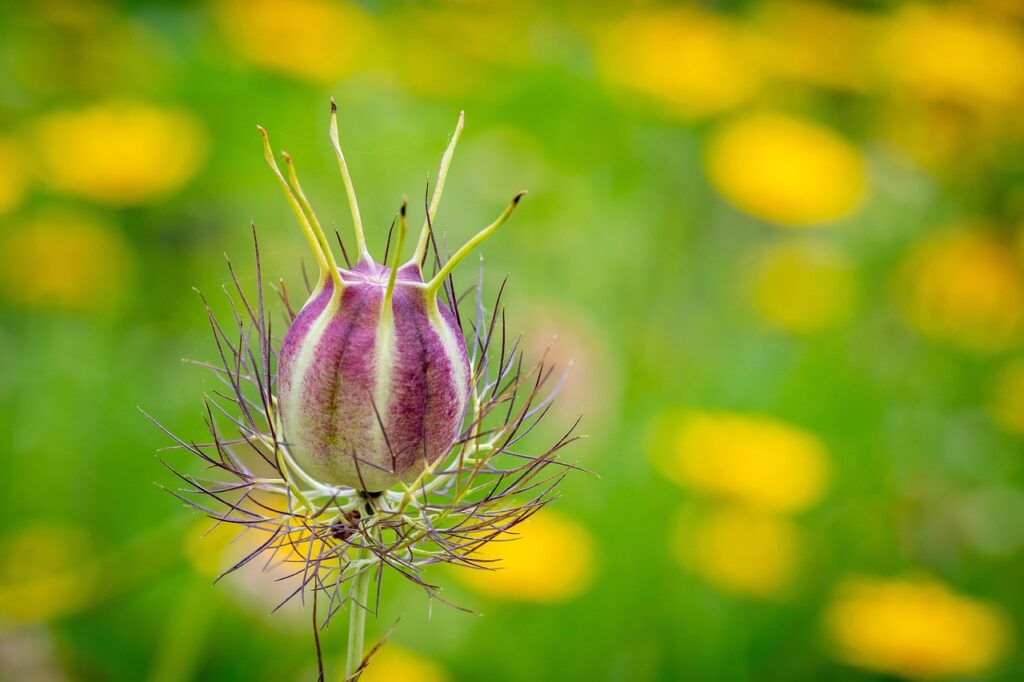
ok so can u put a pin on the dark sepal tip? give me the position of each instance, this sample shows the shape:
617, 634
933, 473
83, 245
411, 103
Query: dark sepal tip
405, 205
516, 198
334, 106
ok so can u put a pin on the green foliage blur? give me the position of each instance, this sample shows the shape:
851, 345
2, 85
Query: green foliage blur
782, 244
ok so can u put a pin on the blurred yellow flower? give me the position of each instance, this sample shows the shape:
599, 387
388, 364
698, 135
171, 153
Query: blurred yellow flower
392, 664
1006, 405
964, 286
266, 583
13, 174
213, 547
955, 54
206, 546
786, 170
957, 77
45, 572
319, 40
758, 461
459, 48
547, 558
803, 286
120, 152
740, 550
65, 260
693, 62
918, 629
817, 43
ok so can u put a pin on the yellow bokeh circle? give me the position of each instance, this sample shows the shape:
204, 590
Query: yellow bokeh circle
319, 40
65, 260
786, 170
393, 664
758, 461
46, 571
740, 550
964, 286
548, 558
120, 152
915, 628
693, 63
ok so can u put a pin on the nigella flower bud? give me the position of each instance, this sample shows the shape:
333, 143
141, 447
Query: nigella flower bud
373, 374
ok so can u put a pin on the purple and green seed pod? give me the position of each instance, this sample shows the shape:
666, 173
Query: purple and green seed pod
373, 377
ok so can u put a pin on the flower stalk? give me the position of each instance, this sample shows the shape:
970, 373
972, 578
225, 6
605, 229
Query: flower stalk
357, 619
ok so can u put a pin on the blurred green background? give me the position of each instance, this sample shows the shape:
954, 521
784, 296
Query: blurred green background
782, 243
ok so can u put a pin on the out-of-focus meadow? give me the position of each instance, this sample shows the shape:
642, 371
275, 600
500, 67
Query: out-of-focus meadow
782, 243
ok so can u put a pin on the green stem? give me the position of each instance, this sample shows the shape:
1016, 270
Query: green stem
357, 617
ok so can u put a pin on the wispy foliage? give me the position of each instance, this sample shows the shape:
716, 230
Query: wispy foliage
323, 536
